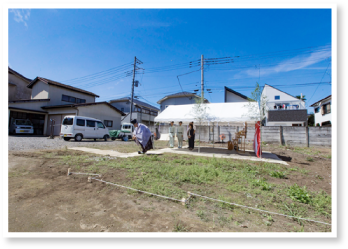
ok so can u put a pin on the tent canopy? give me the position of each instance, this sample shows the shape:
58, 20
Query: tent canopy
222, 113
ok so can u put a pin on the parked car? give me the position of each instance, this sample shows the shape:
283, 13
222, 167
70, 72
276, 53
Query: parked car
78, 127
21, 126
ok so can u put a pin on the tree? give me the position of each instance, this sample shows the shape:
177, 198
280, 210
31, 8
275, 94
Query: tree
200, 114
257, 111
311, 120
303, 97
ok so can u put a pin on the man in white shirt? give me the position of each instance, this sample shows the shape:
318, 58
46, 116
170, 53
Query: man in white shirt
142, 136
180, 134
171, 134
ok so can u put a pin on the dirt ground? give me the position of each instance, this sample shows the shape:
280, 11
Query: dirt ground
42, 198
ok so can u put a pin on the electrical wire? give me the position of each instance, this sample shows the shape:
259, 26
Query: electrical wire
180, 83
111, 70
320, 80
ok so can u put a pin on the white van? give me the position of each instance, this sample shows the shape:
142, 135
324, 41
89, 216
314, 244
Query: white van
78, 127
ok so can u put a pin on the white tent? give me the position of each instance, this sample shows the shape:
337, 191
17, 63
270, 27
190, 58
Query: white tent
221, 113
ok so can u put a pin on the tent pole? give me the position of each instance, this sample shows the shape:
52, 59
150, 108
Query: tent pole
213, 134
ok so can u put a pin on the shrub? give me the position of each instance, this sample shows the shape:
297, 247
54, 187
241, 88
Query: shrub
277, 174
300, 194
261, 182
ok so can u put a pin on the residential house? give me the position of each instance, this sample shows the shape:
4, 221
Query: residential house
181, 98
322, 112
143, 112
17, 86
233, 96
283, 109
51, 100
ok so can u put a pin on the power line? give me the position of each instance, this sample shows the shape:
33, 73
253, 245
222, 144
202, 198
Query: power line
180, 83
320, 80
111, 70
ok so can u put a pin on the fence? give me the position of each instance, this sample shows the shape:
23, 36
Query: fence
284, 135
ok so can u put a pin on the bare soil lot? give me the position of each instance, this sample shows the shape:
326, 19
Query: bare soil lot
42, 198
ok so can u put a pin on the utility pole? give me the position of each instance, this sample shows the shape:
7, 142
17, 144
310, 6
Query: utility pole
202, 79
131, 104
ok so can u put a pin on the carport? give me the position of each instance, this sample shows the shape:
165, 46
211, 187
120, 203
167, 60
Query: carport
38, 118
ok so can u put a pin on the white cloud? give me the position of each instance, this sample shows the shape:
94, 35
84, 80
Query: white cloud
21, 15
295, 63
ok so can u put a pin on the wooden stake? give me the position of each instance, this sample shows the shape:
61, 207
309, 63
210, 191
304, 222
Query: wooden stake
69, 171
89, 179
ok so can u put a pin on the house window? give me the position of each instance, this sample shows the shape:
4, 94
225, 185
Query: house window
72, 99
327, 108
108, 123
277, 97
326, 123
317, 109
65, 98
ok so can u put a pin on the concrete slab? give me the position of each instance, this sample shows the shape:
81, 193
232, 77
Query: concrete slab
205, 151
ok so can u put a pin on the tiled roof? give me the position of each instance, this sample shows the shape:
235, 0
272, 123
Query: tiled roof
51, 82
83, 104
25, 109
236, 93
314, 104
28, 100
180, 94
18, 74
137, 102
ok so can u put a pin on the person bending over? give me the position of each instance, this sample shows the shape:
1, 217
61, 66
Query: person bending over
142, 136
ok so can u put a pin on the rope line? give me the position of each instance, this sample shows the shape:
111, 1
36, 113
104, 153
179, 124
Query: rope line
235, 204
186, 201
169, 198
79, 173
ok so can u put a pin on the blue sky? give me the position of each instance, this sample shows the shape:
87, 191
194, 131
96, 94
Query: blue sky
94, 48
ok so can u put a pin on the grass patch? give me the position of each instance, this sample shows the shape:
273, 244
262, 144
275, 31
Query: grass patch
235, 181
179, 227
277, 174
262, 183
299, 194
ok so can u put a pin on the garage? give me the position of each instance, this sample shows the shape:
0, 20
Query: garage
58, 118
36, 118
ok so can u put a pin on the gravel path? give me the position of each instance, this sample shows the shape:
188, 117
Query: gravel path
38, 143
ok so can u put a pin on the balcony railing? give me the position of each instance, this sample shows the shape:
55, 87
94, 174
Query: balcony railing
285, 105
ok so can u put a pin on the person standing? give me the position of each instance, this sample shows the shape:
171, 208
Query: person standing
142, 136
191, 137
171, 134
180, 134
